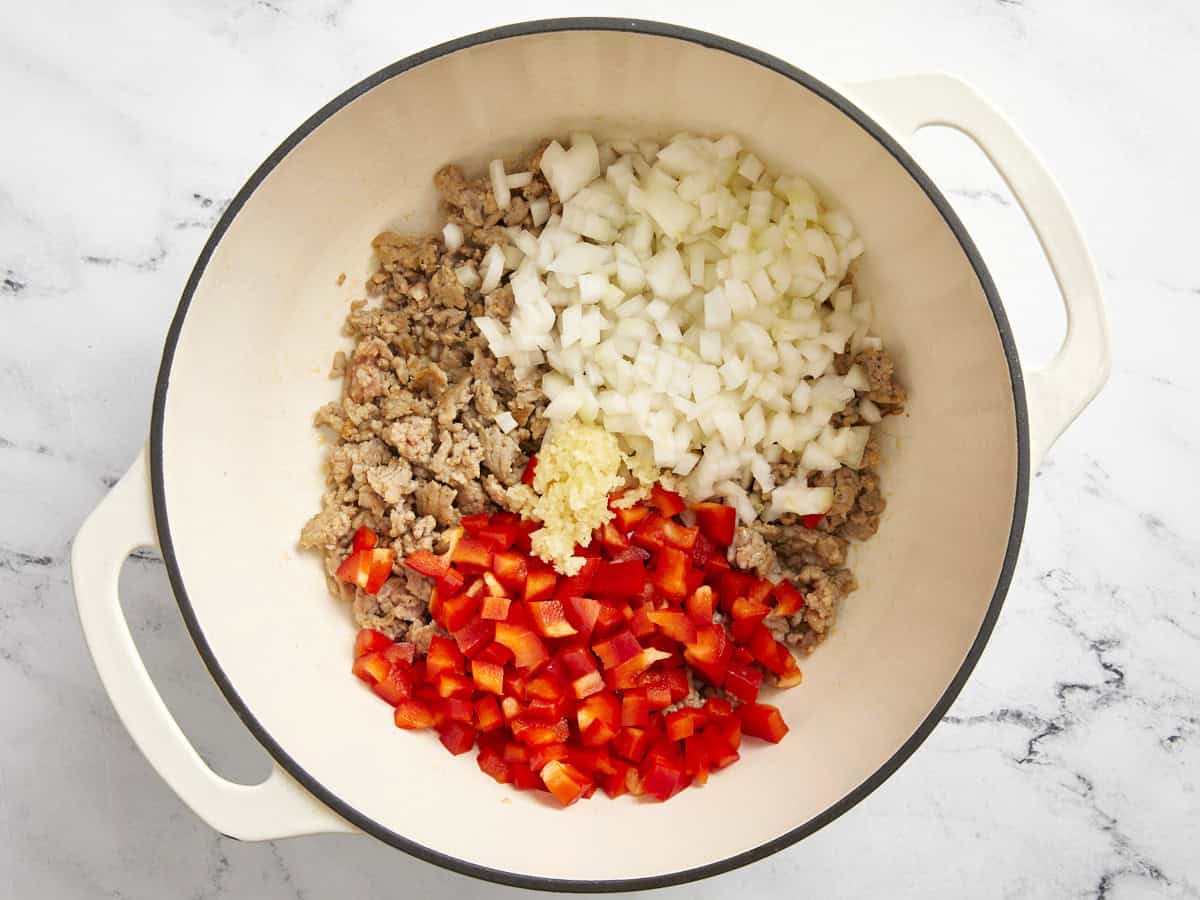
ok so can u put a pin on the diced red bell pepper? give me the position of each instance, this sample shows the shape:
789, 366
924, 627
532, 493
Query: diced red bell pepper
677, 683
545, 687
632, 743
683, 723
442, 656
454, 684
515, 752
662, 778
702, 551
488, 677
413, 714
544, 753
550, 619
612, 538
742, 681
540, 584
530, 470
452, 582
680, 536
650, 533
579, 584
549, 710
657, 690
615, 785
627, 518
396, 685
696, 759
610, 618
425, 563
670, 573
473, 524
716, 521
528, 651
458, 709
491, 763
364, 539
638, 554
495, 608
675, 624
701, 605
535, 732
512, 570
511, 708
473, 553
635, 710
492, 586
640, 623
761, 720
791, 674
625, 676
400, 652
743, 629
591, 760
617, 649
744, 608
565, 782
525, 779
370, 641
368, 569
669, 503
458, 611
718, 708
603, 707
474, 636
487, 713
812, 521
619, 579
371, 667
583, 613
501, 531
457, 737
788, 600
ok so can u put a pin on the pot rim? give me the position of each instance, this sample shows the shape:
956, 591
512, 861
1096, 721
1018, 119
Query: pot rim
462, 866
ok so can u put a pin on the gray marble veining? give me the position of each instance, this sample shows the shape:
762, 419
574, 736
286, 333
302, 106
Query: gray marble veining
1068, 767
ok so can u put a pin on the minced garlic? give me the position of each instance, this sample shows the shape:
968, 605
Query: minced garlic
578, 467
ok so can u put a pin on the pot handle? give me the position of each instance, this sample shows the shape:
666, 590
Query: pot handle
276, 808
1058, 392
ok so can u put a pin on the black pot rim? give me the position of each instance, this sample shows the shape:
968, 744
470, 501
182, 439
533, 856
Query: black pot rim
556, 884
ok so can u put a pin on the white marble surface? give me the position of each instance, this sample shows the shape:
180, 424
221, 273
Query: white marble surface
1070, 764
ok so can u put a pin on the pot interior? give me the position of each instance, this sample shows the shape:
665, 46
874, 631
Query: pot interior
242, 467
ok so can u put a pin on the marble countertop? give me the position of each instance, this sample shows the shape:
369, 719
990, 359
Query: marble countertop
1070, 764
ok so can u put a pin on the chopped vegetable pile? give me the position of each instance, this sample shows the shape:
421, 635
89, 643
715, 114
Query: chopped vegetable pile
569, 683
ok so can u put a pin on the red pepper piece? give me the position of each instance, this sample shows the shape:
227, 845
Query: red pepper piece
396, 685
550, 619
683, 723
488, 676
677, 683
442, 656
544, 753
528, 651
370, 641
791, 675
716, 521
761, 720
451, 583
473, 553
515, 752
635, 710
599, 718
612, 538
702, 551
675, 624
491, 763
662, 778
617, 649
610, 618
812, 521
583, 613
400, 652
525, 779
697, 759
545, 687
368, 569
788, 600
657, 690
540, 584
701, 605
650, 532
625, 676
455, 684
530, 470
640, 623
535, 732
473, 524
457, 737
632, 743
747, 608
669, 503
364, 539
743, 629
742, 681
680, 536
474, 636
425, 563
512, 570
496, 608
413, 714
670, 573
458, 611
577, 585
619, 579
502, 534
627, 518
457, 709
641, 554
487, 713
564, 781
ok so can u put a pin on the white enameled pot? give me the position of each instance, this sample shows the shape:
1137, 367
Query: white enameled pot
233, 467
